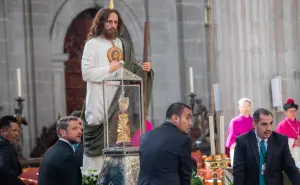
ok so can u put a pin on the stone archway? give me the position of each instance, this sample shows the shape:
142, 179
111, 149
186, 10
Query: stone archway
73, 45
70, 9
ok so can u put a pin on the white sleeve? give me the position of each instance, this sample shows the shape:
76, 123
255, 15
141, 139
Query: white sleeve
232, 154
291, 142
295, 151
91, 73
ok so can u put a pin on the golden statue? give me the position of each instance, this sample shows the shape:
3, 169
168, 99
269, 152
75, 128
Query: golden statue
123, 129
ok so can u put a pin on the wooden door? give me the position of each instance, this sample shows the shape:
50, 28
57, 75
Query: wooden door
74, 44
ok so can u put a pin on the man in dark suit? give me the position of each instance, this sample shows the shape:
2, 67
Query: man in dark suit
10, 168
261, 155
59, 165
165, 152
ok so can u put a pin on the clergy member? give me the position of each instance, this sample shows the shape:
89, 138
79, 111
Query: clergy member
240, 124
290, 127
97, 63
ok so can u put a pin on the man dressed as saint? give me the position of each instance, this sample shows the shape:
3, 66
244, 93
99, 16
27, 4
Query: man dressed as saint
290, 127
98, 61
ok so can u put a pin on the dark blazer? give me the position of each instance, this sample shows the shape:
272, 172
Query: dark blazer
194, 165
59, 166
10, 168
165, 157
278, 159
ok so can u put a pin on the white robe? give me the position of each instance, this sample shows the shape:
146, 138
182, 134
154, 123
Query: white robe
295, 151
95, 67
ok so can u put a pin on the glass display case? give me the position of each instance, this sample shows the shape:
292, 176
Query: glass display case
123, 108
124, 123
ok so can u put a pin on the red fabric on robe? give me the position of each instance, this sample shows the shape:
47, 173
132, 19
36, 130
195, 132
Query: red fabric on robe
238, 126
135, 140
289, 128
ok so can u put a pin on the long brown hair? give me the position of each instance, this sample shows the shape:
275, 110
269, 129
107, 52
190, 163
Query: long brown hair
99, 21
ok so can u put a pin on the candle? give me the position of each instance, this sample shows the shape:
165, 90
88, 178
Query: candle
191, 80
222, 135
212, 136
19, 82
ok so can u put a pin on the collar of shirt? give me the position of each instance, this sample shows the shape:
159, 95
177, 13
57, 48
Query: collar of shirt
244, 115
68, 143
169, 121
288, 119
5, 138
259, 140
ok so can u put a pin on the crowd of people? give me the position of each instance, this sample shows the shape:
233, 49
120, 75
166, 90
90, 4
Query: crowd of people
60, 165
259, 155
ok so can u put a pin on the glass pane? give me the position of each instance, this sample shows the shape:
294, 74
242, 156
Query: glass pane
123, 114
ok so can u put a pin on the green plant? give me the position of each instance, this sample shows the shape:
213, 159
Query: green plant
196, 180
90, 177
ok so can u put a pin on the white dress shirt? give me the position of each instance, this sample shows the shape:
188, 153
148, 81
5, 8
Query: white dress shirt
62, 139
259, 140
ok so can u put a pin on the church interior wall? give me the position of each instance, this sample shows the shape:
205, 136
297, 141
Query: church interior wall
178, 41
164, 57
14, 48
195, 47
256, 41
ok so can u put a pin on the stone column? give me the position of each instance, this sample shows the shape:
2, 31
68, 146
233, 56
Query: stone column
164, 56
59, 88
5, 105
192, 48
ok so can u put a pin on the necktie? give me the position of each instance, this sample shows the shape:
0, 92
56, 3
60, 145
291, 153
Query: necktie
75, 146
262, 155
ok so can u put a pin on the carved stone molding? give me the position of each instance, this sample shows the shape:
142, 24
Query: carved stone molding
59, 87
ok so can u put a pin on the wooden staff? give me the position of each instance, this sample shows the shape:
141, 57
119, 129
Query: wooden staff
145, 77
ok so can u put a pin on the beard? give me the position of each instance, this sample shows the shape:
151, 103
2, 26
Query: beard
73, 141
112, 33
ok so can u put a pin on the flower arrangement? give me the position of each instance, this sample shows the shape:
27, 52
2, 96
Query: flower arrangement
196, 179
89, 177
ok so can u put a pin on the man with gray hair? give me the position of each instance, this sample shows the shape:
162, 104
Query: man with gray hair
240, 124
59, 165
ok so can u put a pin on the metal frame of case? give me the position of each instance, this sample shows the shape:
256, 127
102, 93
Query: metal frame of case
121, 76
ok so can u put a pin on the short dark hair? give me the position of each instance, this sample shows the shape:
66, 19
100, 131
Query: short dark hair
258, 112
5, 121
176, 108
63, 123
